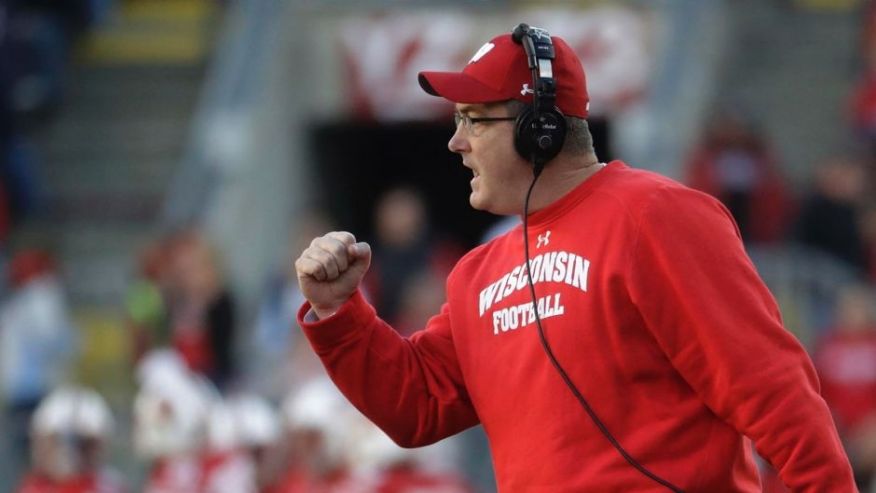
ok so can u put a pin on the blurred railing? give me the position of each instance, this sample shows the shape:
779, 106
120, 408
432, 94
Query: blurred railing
218, 127
234, 178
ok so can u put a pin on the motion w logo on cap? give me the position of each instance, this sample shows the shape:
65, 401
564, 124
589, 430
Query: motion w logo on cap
501, 76
483, 50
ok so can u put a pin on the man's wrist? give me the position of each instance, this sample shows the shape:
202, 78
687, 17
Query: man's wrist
323, 313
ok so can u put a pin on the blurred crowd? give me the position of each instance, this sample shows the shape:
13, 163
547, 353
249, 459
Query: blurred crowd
201, 420
207, 420
194, 439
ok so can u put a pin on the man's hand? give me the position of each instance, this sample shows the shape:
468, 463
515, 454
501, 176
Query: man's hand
330, 270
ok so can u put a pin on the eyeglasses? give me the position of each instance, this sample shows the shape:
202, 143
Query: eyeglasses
468, 121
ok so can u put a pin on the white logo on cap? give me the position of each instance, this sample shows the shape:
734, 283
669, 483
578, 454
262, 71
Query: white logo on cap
482, 51
526, 90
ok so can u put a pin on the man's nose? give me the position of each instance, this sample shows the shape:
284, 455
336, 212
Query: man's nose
458, 143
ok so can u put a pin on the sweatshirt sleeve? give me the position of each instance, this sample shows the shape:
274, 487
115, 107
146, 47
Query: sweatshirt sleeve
714, 318
411, 388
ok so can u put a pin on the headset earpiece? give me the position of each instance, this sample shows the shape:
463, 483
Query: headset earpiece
540, 129
540, 139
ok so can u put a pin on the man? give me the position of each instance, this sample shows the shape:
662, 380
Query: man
646, 299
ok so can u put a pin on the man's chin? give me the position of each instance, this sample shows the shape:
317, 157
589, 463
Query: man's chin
475, 201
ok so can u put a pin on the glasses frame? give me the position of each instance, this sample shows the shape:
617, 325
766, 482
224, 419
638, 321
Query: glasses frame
469, 121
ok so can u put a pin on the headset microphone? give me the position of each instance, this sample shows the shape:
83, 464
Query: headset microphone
539, 136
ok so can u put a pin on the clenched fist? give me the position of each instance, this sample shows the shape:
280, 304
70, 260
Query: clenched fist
330, 270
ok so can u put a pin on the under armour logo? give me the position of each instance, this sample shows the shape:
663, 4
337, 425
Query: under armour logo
526, 90
543, 240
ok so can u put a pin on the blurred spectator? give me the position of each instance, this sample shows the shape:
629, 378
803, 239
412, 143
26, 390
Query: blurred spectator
36, 37
201, 309
170, 420
41, 36
830, 219
863, 109
404, 246
70, 431
734, 164
863, 100
7, 122
868, 31
17, 157
317, 419
846, 361
258, 427
420, 298
225, 466
284, 359
868, 229
17, 182
405, 477
5, 215
388, 468
19, 179
145, 307
37, 341
7, 115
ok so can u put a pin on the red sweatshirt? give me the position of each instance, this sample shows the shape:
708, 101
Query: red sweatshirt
652, 307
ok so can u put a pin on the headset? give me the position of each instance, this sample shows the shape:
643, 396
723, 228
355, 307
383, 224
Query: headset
539, 135
540, 130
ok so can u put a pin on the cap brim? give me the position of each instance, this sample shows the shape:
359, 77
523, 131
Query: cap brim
458, 87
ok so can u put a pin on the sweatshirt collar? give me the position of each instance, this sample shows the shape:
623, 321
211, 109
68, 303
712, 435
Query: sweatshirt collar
579, 193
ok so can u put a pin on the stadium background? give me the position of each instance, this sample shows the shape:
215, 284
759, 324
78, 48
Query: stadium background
126, 122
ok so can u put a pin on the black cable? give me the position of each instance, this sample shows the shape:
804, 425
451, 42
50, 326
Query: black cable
550, 354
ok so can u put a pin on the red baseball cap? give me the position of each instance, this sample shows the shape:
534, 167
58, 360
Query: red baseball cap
499, 72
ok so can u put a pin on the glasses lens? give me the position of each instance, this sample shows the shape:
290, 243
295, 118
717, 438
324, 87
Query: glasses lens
457, 119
